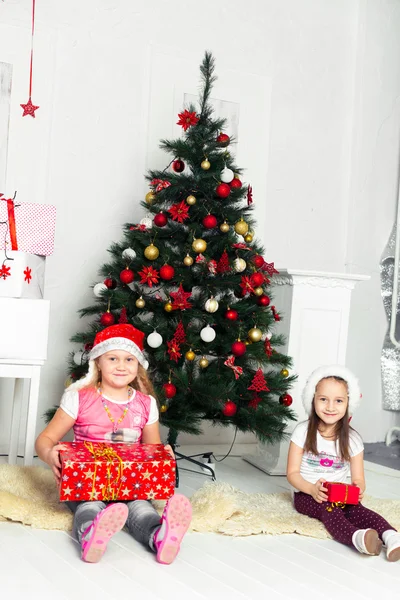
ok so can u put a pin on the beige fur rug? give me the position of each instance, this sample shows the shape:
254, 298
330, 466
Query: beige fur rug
29, 495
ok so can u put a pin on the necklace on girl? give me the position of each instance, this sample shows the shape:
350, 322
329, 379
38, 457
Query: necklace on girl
122, 417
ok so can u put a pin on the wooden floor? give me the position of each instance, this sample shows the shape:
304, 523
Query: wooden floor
37, 564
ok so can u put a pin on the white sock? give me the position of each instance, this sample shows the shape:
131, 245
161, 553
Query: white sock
387, 534
158, 533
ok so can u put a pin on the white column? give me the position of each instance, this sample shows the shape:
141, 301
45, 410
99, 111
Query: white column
315, 307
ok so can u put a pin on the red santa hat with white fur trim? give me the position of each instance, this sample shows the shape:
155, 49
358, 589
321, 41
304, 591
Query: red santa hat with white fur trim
332, 371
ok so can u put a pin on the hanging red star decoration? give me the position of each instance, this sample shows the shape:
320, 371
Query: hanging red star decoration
173, 350
249, 195
179, 211
180, 299
223, 263
274, 312
123, 317
29, 109
159, 184
149, 275
259, 384
28, 274
269, 268
246, 285
180, 335
5, 272
268, 348
187, 119
255, 401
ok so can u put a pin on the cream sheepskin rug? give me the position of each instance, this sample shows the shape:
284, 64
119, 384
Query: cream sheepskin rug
29, 495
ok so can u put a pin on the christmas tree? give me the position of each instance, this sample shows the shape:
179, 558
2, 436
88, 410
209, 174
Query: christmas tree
192, 277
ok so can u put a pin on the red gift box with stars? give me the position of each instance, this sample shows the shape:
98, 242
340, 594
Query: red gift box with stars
342, 492
97, 471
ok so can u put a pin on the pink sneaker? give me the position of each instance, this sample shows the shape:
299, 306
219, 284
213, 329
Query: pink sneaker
175, 522
107, 523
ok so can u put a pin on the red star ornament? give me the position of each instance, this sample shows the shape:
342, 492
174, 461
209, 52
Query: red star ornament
180, 299
29, 109
179, 212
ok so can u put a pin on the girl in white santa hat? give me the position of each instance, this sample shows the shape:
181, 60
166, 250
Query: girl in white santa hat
326, 449
114, 402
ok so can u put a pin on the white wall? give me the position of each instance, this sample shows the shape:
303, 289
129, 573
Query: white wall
310, 156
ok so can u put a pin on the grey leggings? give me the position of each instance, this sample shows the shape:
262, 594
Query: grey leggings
142, 522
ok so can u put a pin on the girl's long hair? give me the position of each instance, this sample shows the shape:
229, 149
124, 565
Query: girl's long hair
342, 429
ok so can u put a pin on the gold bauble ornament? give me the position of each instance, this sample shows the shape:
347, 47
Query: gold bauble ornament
248, 342
239, 264
205, 165
258, 291
168, 307
203, 362
151, 252
188, 260
140, 303
163, 408
199, 245
285, 373
190, 355
191, 200
241, 227
255, 334
150, 197
248, 237
211, 305
224, 227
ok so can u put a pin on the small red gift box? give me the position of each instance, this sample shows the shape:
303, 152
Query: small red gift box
97, 471
342, 492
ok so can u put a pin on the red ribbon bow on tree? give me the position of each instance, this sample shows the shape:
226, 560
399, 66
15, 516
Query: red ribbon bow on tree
230, 363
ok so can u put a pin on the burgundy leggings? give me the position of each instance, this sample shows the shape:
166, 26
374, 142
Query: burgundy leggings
341, 522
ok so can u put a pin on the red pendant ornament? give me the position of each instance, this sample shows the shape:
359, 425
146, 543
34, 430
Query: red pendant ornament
238, 348
223, 190
167, 272
249, 195
263, 300
257, 279
123, 317
259, 384
223, 263
286, 400
178, 165
255, 401
180, 335
258, 261
160, 219
236, 183
229, 409
223, 140
231, 314
127, 276
107, 319
29, 108
210, 221
169, 390
110, 283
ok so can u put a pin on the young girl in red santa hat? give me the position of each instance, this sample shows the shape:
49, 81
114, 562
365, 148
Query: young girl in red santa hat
326, 449
114, 402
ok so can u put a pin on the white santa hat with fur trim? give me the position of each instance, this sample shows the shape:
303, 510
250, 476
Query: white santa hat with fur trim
332, 371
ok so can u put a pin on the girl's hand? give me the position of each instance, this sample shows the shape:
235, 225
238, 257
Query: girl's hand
53, 460
361, 495
319, 492
170, 451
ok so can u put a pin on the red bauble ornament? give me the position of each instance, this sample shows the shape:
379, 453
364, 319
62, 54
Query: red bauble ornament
223, 139
286, 400
238, 348
257, 279
263, 300
169, 390
160, 219
229, 409
107, 319
235, 183
258, 261
110, 283
167, 272
223, 190
231, 314
127, 276
210, 221
178, 165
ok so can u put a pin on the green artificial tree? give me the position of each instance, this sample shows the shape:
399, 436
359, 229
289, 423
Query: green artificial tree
195, 281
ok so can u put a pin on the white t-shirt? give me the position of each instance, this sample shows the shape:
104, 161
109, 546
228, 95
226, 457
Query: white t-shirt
328, 464
70, 404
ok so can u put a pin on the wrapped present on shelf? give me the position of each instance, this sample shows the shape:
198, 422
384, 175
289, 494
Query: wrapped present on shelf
21, 275
27, 227
97, 471
342, 493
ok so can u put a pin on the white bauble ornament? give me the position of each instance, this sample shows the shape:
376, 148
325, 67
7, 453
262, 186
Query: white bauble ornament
269, 335
211, 305
207, 334
227, 175
147, 222
239, 265
154, 340
98, 289
129, 254
78, 357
